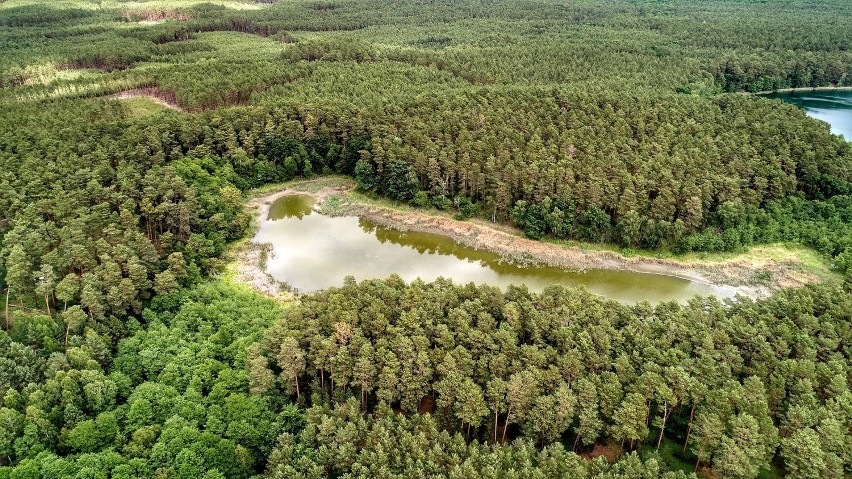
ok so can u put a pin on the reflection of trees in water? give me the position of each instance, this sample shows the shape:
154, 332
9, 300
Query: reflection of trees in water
295, 206
432, 244
825, 103
536, 277
827, 100
366, 225
437, 244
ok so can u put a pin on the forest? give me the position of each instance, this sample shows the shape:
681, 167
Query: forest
127, 351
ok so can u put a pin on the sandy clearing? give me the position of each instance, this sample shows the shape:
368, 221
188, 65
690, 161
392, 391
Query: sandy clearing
152, 94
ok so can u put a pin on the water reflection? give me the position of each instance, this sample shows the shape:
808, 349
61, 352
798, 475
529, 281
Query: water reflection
290, 206
313, 251
831, 106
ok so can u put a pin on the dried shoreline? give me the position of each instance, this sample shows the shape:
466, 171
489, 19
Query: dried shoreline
735, 274
802, 89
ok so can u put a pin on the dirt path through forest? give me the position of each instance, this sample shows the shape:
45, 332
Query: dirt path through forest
336, 200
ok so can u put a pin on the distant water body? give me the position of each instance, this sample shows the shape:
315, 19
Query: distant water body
831, 106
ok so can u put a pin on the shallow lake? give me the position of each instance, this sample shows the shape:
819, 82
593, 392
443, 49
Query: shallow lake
831, 106
311, 251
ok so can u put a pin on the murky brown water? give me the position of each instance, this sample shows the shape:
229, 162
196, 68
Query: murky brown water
311, 251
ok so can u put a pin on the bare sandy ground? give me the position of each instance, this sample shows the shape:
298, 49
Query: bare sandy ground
247, 267
333, 199
152, 94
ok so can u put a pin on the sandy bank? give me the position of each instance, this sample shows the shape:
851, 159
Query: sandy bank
802, 89
746, 275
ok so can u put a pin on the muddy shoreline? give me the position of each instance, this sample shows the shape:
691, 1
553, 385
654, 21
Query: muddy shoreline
334, 200
248, 263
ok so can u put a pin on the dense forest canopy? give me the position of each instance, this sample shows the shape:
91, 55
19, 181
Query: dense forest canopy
622, 122
577, 120
198, 389
726, 382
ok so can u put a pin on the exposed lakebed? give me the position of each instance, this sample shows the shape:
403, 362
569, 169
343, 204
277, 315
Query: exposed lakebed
312, 251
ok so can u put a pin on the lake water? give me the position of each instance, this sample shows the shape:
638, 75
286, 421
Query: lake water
311, 251
831, 106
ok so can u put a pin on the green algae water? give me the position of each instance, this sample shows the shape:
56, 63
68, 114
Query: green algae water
311, 252
831, 106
